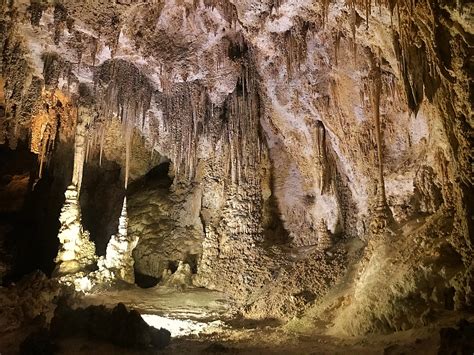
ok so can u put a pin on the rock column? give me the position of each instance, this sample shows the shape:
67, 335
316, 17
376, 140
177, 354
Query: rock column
77, 252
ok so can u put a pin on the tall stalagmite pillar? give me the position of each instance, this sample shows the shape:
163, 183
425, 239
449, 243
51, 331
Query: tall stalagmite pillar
118, 263
76, 252
382, 212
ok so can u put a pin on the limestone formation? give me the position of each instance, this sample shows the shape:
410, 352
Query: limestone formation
325, 239
77, 251
287, 128
118, 262
181, 278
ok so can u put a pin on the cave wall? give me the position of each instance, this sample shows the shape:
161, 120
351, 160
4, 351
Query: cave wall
287, 123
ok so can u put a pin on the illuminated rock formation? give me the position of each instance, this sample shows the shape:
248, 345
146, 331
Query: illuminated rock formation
77, 252
289, 128
118, 262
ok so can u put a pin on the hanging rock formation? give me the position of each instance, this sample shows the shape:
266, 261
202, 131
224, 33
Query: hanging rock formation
274, 116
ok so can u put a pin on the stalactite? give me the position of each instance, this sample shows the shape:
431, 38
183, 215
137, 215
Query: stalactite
128, 143
325, 4
42, 158
95, 45
126, 92
228, 10
88, 148
337, 43
152, 151
102, 138
79, 148
382, 214
322, 164
368, 4
377, 87
353, 28
296, 47
60, 16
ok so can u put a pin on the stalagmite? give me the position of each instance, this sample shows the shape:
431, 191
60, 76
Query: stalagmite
118, 262
325, 239
76, 255
77, 252
382, 211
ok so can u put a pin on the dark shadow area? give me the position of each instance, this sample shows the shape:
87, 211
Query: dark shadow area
246, 323
29, 209
101, 199
157, 177
274, 230
145, 281
192, 260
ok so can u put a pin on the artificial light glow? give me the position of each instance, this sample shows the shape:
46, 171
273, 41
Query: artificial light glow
181, 327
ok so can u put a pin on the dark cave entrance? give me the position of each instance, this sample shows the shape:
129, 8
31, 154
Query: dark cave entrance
157, 178
101, 199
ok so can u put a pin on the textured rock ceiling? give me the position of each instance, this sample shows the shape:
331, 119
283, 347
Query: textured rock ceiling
287, 123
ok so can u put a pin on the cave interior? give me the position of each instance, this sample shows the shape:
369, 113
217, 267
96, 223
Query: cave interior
236, 176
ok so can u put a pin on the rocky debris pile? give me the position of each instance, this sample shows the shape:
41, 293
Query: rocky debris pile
297, 285
34, 296
118, 326
181, 278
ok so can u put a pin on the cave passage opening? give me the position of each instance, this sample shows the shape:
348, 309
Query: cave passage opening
159, 181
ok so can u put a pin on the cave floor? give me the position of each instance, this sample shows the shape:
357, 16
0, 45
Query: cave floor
206, 323
209, 323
